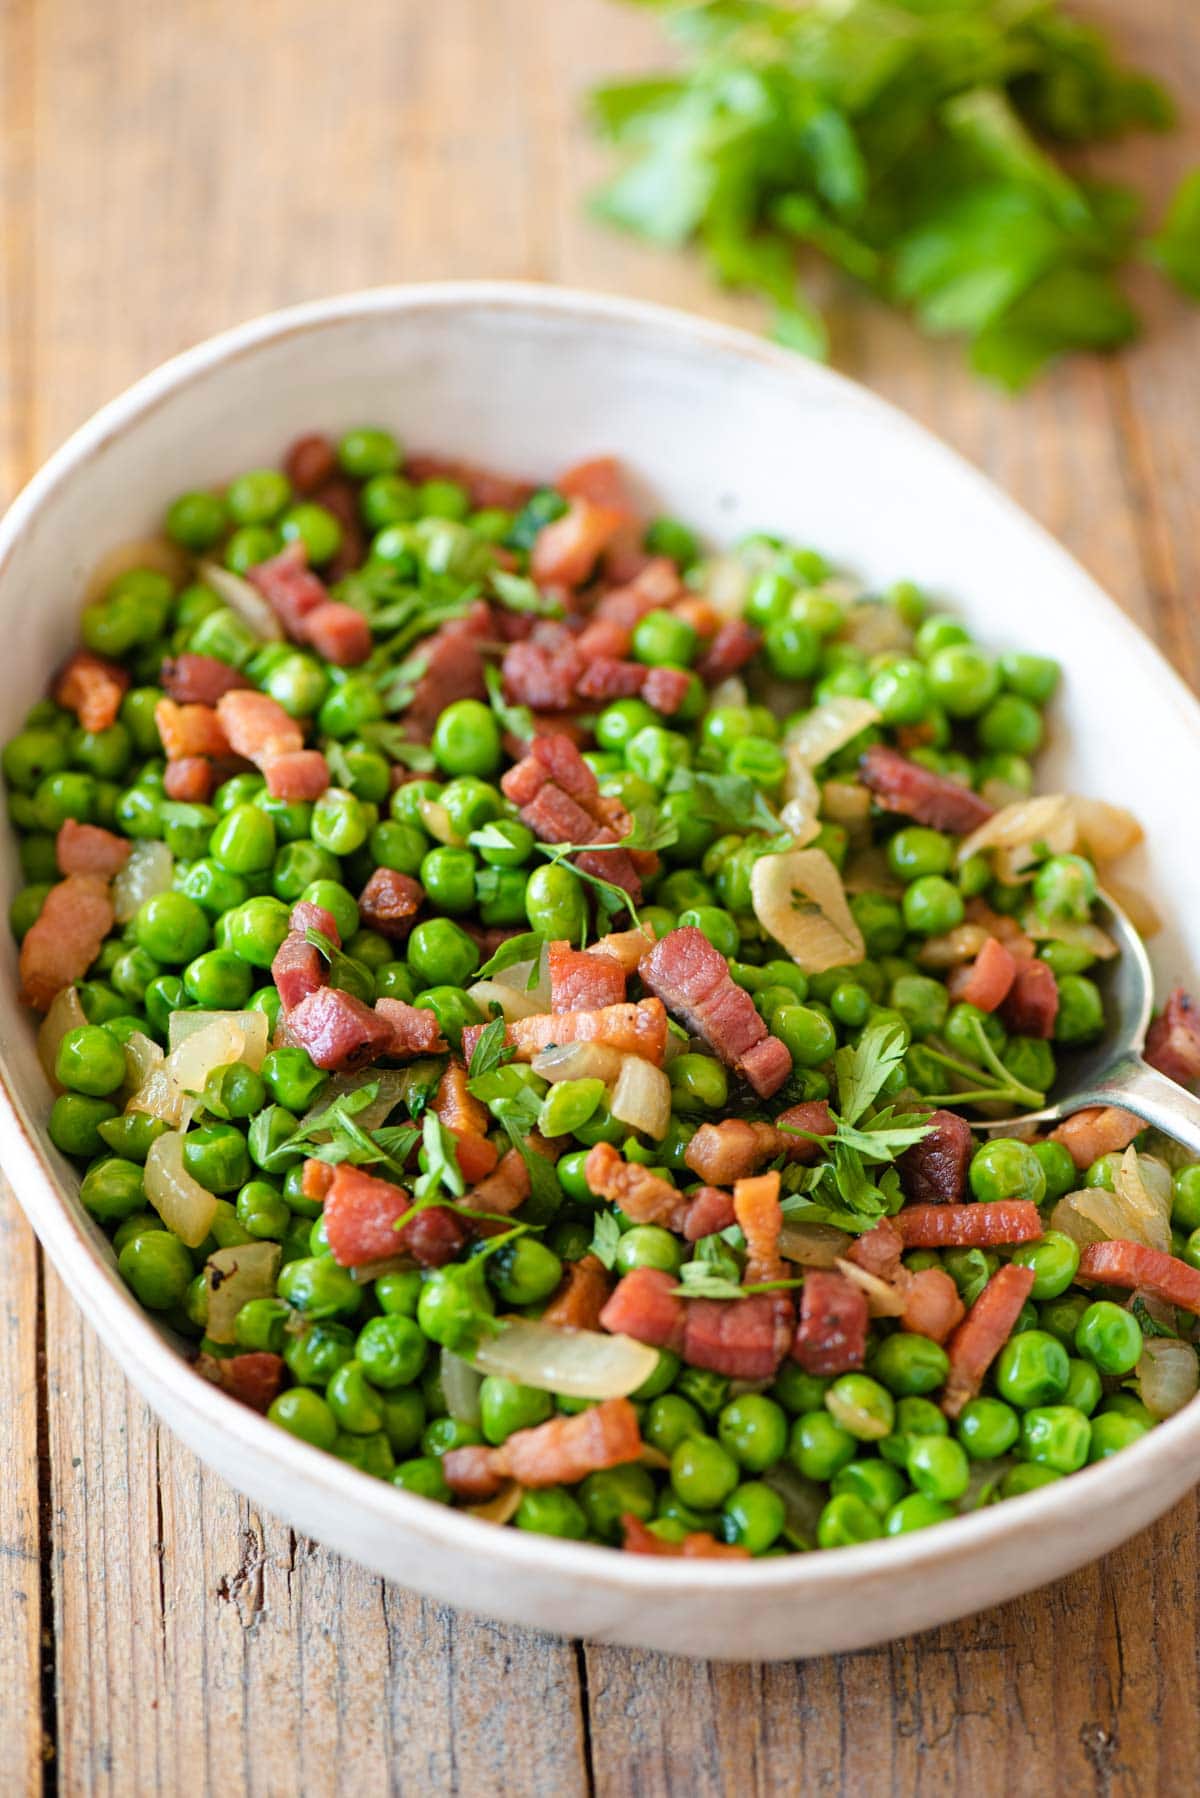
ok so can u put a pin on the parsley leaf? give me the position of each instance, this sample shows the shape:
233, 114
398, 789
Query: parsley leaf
441, 1171
606, 1235
517, 593
863, 1071
345, 971
727, 801
517, 720
391, 741
490, 1051
526, 947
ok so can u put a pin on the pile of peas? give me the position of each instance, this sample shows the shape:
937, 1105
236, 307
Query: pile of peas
803, 1462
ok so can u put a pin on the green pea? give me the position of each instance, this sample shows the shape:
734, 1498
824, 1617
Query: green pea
131, 1134
932, 906
450, 1303
661, 638
218, 980
320, 1288
524, 1272
1054, 1261
914, 1417
703, 1474
1032, 1369
962, 1027
670, 1419
392, 1351
466, 739
698, 1083
646, 1245
1061, 1316
305, 1414
1111, 1433
256, 930
861, 1405
754, 1430
26, 908
1185, 1198
1007, 1169
216, 1156
1056, 1436
552, 1512
448, 876
368, 452
704, 1388
234, 1091
261, 1210
880, 920
157, 1268
1080, 1016
917, 1511
554, 903
818, 1446
962, 679
172, 928
987, 1428
1109, 1337
90, 1061
800, 1392
916, 853
938, 1467
506, 1406
622, 720
753, 1516
874, 1483
908, 1364
1065, 887
387, 499
315, 527
31, 756
355, 1404
1084, 1390
397, 1294
1011, 725
75, 1121
340, 822
424, 1476
112, 1190
808, 1035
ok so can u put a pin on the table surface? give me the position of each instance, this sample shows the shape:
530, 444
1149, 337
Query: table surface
164, 172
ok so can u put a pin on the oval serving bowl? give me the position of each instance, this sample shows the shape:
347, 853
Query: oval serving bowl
730, 434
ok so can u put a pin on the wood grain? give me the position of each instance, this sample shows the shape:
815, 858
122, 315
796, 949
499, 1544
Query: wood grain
165, 171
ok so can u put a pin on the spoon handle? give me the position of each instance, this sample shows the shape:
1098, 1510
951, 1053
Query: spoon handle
1150, 1095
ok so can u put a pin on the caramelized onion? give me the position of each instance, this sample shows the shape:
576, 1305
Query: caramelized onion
800, 901
576, 1363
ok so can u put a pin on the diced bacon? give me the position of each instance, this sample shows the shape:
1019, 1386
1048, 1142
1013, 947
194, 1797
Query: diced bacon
708, 1210
309, 461
290, 588
1173, 1039
656, 583
339, 1031
666, 689
552, 758
641, 1194
566, 551
1097, 1130
389, 903
639, 1029
693, 981
190, 780
600, 479
647, 1307
998, 924
305, 915
722, 1153
604, 637
878, 1250
414, 1031
615, 866
297, 970
541, 675
733, 646
757, 1209
1135, 1267
968, 1226
934, 1170
697, 1545
433, 1237
192, 679
900, 785
316, 1179
701, 614
932, 1306
253, 1379
361, 1213
745, 1339
467, 1120
92, 687
985, 983
485, 488
87, 849
557, 1453
338, 633
300, 774
340, 496
580, 1296
64, 941
257, 726
453, 661
581, 981
983, 1333
189, 730
1032, 1003
831, 1337
605, 678
505, 1189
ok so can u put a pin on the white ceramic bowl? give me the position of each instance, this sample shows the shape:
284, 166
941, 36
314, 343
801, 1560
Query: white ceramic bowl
729, 434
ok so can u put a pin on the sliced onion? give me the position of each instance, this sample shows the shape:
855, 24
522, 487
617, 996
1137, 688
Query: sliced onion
1046, 819
731, 691
725, 582
519, 976
882, 1300
252, 1026
579, 1061
813, 1245
142, 1057
627, 946
460, 1388
641, 1097
1077, 935
149, 870
436, 820
158, 553
575, 1363
232, 1278
877, 629
1140, 911
799, 818
801, 794
1139, 1210
182, 1203
393, 1084
511, 1003
244, 598
1167, 1375
500, 1509
828, 728
998, 793
66, 1013
800, 901
1104, 831
956, 946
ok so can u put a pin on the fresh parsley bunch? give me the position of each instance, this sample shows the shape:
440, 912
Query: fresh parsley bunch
913, 144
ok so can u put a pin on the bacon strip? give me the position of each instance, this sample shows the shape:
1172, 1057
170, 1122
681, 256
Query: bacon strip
934, 1170
468, 1120
1173, 1039
1134, 1266
92, 687
338, 1031
256, 726
414, 1031
831, 1337
916, 792
985, 983
983, 1333
87, 849
64, 941
581, 980
757, 1209
253, 1379
697, 1545
191, 679
693, 981
190, 730
581, 1295
641, 1194
1096, 1130
1031, 1005
560, 800
361, 1213
968, 1226
709, 1210
639, 1029
728, 1151
931, 1305
557, 1453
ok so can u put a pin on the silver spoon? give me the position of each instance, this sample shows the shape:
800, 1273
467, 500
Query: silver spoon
1115, 1072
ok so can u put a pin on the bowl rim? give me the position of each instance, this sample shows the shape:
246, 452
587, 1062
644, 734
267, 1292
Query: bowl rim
167, 1375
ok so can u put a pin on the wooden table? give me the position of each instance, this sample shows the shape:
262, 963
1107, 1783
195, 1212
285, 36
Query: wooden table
166, 170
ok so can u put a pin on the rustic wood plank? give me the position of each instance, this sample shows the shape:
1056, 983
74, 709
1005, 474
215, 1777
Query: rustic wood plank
200, 1646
